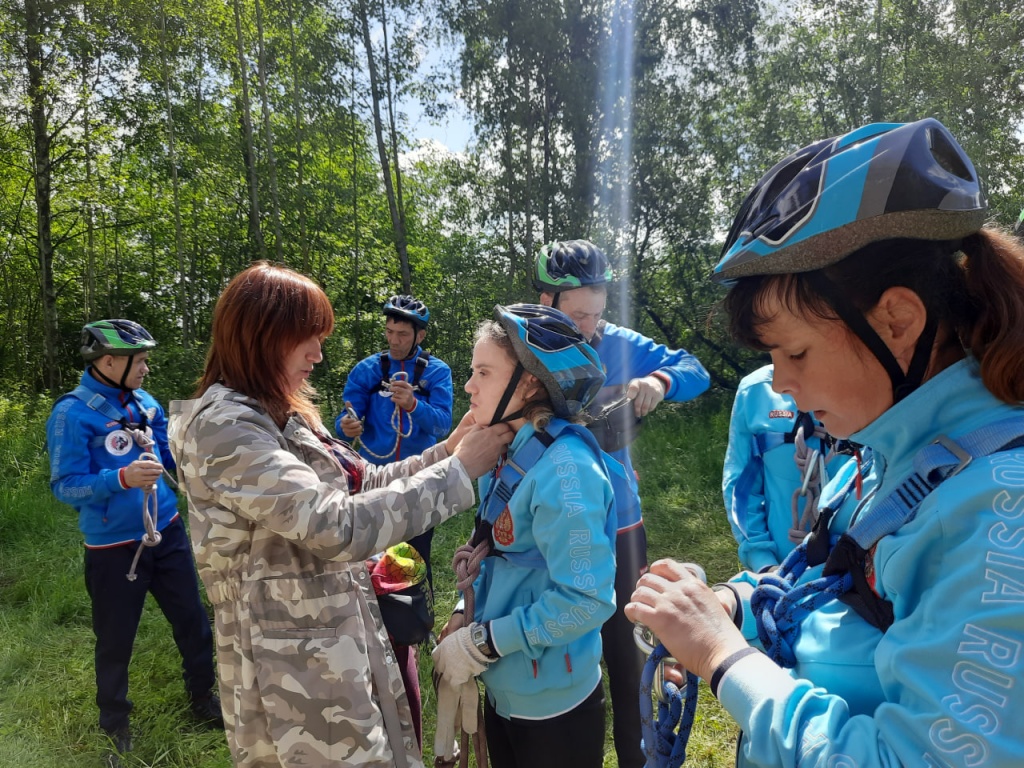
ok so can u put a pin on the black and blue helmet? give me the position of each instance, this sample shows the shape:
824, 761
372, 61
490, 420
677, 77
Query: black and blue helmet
880, 182
408, 308
567, 264
548, 345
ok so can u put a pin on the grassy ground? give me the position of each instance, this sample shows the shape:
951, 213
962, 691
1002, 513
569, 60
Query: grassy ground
47, 713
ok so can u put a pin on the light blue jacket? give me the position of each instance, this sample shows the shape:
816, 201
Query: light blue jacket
429, 421
949, 668
87, 449
627, 355
760, 476
546, 622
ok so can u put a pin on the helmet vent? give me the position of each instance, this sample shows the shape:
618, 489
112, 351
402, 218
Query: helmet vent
947, 156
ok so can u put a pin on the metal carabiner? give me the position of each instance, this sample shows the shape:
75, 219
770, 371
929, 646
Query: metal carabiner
812, 464
647, 642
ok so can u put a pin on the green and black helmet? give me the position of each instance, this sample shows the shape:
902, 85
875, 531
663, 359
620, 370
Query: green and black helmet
114, 337
569, 264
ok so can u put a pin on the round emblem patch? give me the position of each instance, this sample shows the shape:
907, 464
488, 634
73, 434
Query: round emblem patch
503, 531
118, 442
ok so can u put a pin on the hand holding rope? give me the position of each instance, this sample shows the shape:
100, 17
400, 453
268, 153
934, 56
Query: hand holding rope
666, 735
152, 536
396, 421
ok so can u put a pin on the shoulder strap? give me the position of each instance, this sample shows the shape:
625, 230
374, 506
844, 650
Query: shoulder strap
512, 473
385, 372
422, 360
933, 465
766, 441
417, 372
97, 402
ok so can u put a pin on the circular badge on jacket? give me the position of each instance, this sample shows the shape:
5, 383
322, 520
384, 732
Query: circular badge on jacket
118, 442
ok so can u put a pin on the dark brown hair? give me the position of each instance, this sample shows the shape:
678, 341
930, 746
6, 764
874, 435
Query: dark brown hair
973, 288
263, 314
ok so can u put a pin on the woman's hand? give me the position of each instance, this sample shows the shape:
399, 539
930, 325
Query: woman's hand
467, 422
481, 447
686, 616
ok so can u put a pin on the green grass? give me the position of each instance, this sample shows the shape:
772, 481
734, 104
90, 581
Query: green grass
48, 718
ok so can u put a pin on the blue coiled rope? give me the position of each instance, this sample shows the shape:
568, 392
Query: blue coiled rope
665, 737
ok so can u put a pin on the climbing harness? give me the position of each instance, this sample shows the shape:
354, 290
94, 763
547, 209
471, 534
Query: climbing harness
616, 425
469, 557
419, 384
383, 389
811, 463
780, 605
396, 422
666, 734
137, 431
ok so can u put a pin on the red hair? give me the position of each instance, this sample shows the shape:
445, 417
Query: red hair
261, 316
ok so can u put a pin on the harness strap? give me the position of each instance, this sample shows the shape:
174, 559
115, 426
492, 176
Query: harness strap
780, 606
417, 380
933, 465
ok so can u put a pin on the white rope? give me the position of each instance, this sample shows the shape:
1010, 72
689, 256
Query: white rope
152, 536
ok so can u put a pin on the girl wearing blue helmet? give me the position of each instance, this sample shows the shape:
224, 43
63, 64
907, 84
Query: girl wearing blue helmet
895, 316
538, 575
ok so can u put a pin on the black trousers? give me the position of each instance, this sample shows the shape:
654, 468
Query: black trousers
574, 739
168, 572
624, 661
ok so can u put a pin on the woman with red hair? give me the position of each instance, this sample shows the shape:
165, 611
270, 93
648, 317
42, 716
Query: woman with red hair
282, 519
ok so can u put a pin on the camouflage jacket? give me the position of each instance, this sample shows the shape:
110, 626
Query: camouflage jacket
307, 674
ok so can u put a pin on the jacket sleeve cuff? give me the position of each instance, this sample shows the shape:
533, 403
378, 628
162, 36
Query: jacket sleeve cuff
666, 381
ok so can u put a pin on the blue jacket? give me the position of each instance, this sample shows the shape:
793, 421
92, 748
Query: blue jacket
627, 355
760, 475
546, 622
948, 670
86, 451
430, 420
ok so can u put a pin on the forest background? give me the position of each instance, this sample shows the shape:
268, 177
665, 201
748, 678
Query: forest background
150, 150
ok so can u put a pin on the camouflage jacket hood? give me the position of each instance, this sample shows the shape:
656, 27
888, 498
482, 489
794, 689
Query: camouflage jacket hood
307, 674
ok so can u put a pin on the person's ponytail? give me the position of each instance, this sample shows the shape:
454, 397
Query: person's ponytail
994, 274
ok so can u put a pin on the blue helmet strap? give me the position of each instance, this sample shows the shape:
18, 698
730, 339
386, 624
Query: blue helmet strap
902, 383
510, 389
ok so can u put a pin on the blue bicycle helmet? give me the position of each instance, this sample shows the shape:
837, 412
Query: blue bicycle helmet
880, 182
408, 308
549, 346
562, 266
114, 337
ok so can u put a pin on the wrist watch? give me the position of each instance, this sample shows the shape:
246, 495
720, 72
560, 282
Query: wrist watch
480, 635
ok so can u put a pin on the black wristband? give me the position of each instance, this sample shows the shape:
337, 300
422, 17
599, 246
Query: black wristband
721, 669
737, 614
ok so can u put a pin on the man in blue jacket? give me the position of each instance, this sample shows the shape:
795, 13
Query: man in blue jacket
398, 403
109, 459
573, 276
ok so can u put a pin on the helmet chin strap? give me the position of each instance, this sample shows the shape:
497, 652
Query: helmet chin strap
111, 382
902, 383
510, 389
